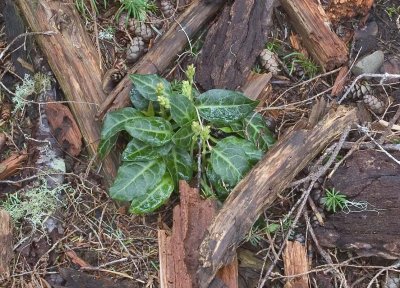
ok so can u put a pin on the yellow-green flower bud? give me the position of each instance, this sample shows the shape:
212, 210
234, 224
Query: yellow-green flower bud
164, 102
190, 71
160, 89
187, 89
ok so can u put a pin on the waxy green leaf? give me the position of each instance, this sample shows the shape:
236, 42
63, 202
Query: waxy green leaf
179, 164
147, 85
113, 124
137, 150
155, 131
257, 131
154, 198
225, 106
232, 158
182, 109
183, 138
138, 101
134, 179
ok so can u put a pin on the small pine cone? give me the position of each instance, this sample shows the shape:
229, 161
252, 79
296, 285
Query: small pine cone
117, 75
143, 30
269, 62
167, 8
135, 50
359, 90
5, 111
374, 103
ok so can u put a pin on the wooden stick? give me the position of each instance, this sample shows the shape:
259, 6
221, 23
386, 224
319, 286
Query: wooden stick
162, 54
6, 251
295, 261
309, 21
11, 165
75, 63
260, 188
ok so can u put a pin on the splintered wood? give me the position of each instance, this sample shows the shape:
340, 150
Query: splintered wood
296, 262
6, 247
310, 21
11, 165
346, 9
179, 250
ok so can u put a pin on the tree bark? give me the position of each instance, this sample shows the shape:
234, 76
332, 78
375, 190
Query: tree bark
233, 44
309, 20
260, 188
6, 251
162, 54
11, 165
74, 61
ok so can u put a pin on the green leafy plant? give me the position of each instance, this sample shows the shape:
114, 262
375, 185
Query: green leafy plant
273, 46
334, 200
138, 9
171, 128
298, 59
392, 11
86, 7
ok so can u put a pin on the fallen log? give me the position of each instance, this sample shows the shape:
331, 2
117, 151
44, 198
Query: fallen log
162, 54
6, 251
261, 187
309, 20
74, 61
233, 44
179, 254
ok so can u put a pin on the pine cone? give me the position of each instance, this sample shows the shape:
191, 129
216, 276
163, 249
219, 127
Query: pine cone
374, 103
359, 90
143, 30
167, 8
135, 50
5, 111
268, 62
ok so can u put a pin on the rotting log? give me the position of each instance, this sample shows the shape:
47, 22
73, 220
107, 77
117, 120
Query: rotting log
164, 51
347, 9
6, 251
233, 44
178, 250
261, 187
309, 20
74, 61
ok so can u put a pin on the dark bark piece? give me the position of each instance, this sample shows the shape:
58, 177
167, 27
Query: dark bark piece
308, 18
260, 188
74, 61
6, 251
233, 44
295, 261
373, 177
64, 127
164, 51
11, 165
179, 253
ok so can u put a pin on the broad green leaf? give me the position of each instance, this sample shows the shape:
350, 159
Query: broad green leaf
106, 145
182, 109
138, 101
225, 106
136, 178
183, 138
147, 84
155, 131
232, 158
154, 198
113, 124
221, 191
137, 150
179, 164
257, 131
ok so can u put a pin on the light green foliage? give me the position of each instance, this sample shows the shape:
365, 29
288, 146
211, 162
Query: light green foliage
39, 83
137, 9
296, 58
86, 7
34, 204
392, 11
334, 200
273, 46
166, 127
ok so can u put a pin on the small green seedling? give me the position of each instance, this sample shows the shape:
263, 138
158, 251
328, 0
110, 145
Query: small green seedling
172, 127
392, 11
138, 9
296, 58
334, 200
